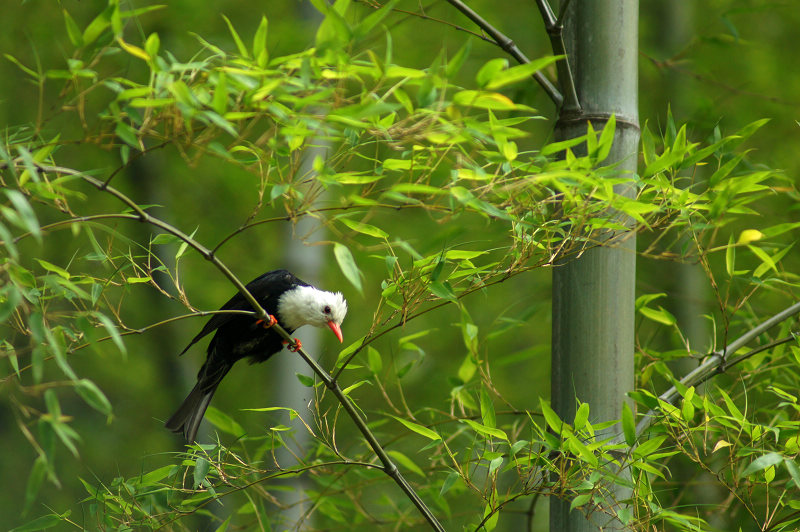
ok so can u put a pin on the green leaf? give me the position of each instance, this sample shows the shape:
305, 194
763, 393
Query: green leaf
220, 101
550, 416
730, 257
305, 380
581, 416
73, 32
112, 330
26, 214
518, 73
374, 361
224, 526
260, 51
354, 386
406, 462
606, 139
449, 480
457, 61
486, 431
238, 40
348, 265
365, 229
794, 471
224, 422
373, 19
157, 475
35, 479
443, 290
10, 297
53, 268
628, 424
489, 70
767, 261
93, 396
490, 517
761, 463
487, 409
661, 315
97, 26
486, 100
152, 45
42, 523
649, 447
419, 429
201, 468
580, 500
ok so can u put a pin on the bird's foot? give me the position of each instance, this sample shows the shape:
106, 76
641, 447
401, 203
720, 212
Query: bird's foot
269, 322
294, 346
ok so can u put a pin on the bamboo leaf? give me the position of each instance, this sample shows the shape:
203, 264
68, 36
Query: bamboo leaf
26, 214
486, 431
628, 424
406, 462
517, 73
93, 396
238, 40
419, 429
224, 422
365, 229
487, 409
201, 468
581, 416
649, 447
348, 265
761, 463
260, 51
550, 416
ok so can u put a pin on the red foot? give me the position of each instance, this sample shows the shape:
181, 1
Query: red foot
295, 346
269, 322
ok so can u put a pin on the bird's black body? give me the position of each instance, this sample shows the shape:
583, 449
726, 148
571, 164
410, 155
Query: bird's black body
237, 336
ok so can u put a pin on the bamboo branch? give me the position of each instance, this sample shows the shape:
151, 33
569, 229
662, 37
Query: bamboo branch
555, 30
718, 362
509, 47
332, 384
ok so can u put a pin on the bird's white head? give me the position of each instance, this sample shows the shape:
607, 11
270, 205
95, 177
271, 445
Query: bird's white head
306, 305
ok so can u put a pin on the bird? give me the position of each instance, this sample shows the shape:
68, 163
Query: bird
293, 302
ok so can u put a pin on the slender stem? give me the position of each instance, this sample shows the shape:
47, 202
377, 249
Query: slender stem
555, 30
719, 362
509, 47
388, 466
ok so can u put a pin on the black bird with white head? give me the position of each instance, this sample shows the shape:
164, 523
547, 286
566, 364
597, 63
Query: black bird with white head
293, 302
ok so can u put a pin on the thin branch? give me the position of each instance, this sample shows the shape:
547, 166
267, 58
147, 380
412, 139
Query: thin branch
509, 47
718, 362
555, 30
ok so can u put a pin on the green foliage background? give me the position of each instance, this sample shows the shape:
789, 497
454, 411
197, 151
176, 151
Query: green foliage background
729, 67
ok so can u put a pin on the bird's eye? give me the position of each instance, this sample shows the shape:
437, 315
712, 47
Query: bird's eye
327, 309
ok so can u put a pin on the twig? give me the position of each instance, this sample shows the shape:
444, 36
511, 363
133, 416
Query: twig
555, 30
509, 47
718, 362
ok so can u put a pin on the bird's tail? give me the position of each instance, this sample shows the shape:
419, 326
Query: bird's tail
189, 415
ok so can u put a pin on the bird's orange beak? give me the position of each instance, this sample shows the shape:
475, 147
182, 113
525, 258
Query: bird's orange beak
336, 330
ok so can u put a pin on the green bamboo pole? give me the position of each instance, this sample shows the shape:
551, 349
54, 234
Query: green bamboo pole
593, 296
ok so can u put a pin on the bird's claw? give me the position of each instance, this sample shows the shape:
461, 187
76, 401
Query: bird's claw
295, 346
269, 322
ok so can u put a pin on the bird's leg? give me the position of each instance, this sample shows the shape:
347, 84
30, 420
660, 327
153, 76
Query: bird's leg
269, 322
294, 346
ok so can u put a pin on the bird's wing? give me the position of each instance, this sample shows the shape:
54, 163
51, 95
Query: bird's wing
263, 288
